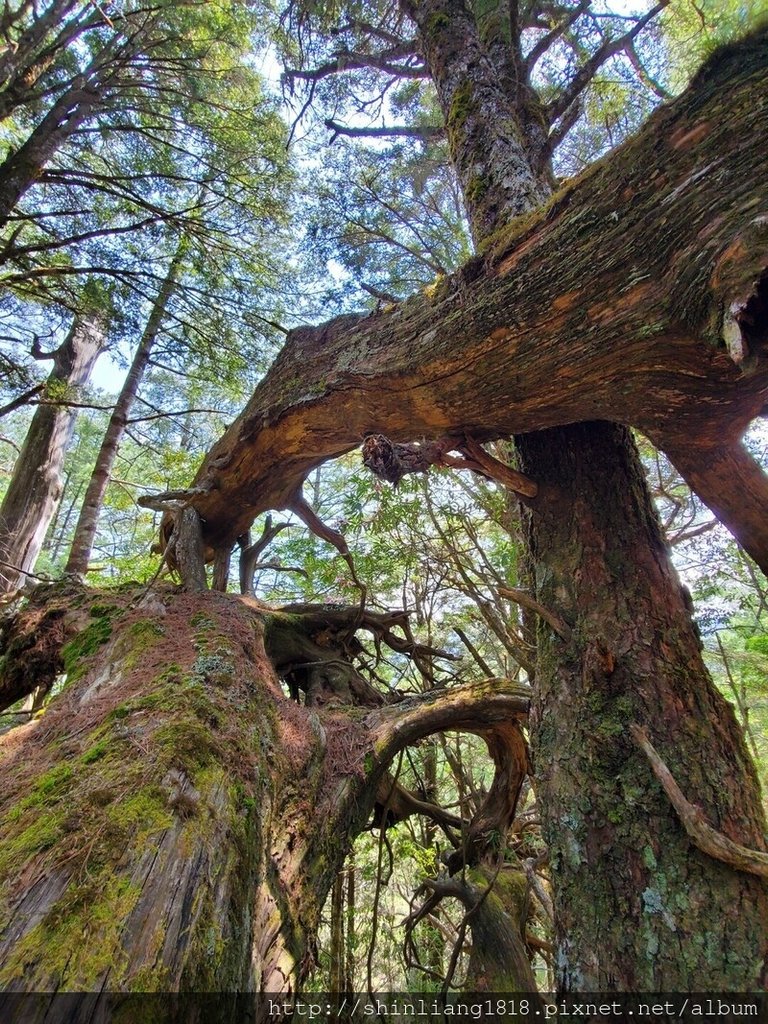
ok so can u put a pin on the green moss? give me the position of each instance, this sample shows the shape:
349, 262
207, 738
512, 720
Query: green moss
140, 815
103, 611
79, 939
186, 744
477, 188
40, 835
51, 782
461, 108
84, 645
436, 23
649, 858
202, 621
96, 752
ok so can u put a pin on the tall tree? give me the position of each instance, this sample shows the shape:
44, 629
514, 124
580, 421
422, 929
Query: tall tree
87, 522
600, 661
35, 488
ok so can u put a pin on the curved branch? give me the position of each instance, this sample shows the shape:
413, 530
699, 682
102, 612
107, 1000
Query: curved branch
548, 328
474, 707
706, 838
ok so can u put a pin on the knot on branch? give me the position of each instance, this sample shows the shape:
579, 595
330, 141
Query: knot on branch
390, 461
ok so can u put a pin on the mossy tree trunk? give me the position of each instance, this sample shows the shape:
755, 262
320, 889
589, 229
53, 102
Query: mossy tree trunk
174, 821
638, 907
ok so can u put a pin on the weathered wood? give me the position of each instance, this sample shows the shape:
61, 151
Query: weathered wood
188, 819
188, 549
610, 304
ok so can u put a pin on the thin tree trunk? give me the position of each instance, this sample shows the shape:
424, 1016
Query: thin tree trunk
336, 952
35, 488
87, 523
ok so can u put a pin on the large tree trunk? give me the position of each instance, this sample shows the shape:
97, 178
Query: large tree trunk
22, 167
35, 488
638, 907
87, 523
174, 821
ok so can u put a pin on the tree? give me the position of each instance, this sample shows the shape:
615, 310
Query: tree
85, 531
35, 488
165, 736
294, 416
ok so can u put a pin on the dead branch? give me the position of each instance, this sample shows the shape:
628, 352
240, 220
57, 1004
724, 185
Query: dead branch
170, 500
425, 132
392, 461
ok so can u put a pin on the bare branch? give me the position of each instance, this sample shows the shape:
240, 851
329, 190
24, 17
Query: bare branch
546, 41
425, 133
587, 71
525, 600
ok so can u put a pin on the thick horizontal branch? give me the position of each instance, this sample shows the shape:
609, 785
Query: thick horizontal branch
638, 295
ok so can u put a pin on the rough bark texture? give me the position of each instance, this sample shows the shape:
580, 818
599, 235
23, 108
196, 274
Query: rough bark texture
611, 303
496, 173
35, 488
638, 906
173, 821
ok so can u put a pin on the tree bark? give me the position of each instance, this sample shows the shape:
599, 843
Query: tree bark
174, 822
35, 488
85, 531
610, 303
638, 907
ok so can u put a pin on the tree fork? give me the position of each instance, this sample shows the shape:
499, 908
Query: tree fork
176, 798
571, 315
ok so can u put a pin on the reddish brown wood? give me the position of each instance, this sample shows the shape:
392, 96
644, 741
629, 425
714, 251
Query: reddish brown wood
611, 303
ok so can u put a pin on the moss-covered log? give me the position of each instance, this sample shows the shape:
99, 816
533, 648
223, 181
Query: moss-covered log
638, 294
173, 821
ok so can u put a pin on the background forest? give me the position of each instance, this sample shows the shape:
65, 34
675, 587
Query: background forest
184, 183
